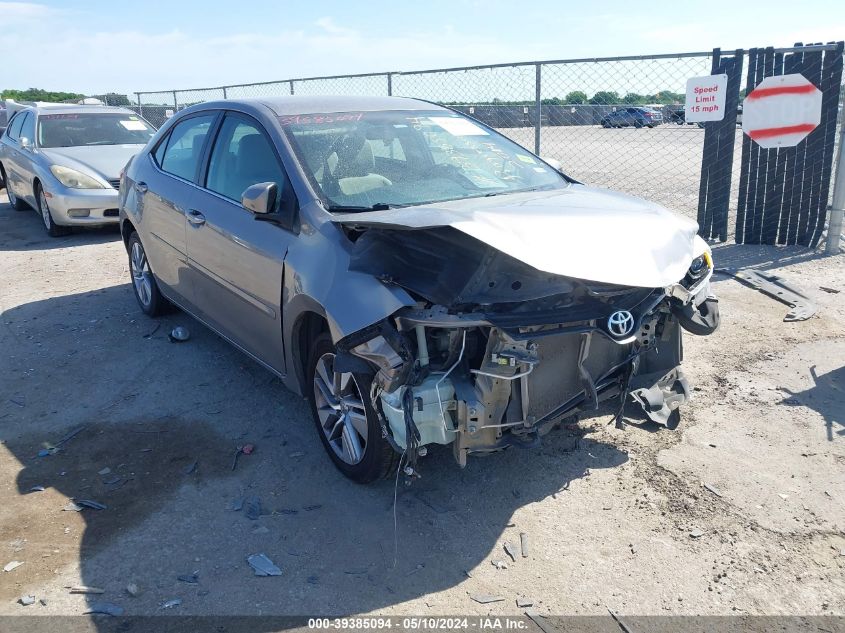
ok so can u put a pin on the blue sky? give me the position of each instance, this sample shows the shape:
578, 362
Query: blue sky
101, 46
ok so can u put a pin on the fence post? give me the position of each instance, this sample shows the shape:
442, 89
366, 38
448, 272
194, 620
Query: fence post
225, 95
175, 102
291, 86
140, 107
538, 108
837, 207
389, 84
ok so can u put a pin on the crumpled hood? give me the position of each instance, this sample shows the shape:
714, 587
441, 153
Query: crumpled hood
582, 232
105, 161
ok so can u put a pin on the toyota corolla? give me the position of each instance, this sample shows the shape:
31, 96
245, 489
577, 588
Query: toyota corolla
418, 277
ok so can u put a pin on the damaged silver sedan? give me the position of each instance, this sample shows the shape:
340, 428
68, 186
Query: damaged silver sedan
420, 278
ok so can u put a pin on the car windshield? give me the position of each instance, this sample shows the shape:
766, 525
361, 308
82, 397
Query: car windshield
361, 160
73, 130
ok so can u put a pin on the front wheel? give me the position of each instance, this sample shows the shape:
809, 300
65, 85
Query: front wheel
345, 419
53, 229
144, 284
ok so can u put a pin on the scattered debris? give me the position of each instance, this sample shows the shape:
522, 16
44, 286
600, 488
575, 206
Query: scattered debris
173, 602
154, 330
261, 529
696, 533
253, 508
523, 603
104, 471
237, 504
133, 590
297, 454
86, 589
67, 438
42, 602
248, 449
416, 569
777, 288
316, 506
191, 579
112, 480
72, 507
499, 564
712, 489
523, 544
27, 600
509, 550
537, 619
179, 334
37, 489
619, 621
263, 566
17, 402
832, 291
88, 503
467, 573
106, 608
312, 580
783, 496
484, 598
190, 468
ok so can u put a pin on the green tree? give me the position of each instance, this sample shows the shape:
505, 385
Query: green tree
605, 97
114, 99
576, 97
634, 98
39, 94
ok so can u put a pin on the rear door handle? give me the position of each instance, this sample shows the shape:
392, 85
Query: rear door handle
141, 187
195, 217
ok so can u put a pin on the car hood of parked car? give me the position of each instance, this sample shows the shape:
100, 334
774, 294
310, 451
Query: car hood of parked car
105, 161
582, 232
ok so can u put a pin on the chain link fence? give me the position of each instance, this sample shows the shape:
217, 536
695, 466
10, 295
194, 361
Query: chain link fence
611, 122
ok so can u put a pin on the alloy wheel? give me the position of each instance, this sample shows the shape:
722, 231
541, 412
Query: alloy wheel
45, 210
141, 275
340, 408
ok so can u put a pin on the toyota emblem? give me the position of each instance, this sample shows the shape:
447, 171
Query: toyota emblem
620, 323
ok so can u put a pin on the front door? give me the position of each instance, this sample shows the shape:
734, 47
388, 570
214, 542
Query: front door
237, 262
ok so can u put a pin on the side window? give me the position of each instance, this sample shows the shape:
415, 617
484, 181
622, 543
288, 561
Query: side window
184, 145
242, 156
28, 128
158, 154
15, 126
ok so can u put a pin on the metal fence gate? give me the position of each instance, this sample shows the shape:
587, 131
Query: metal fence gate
557, 109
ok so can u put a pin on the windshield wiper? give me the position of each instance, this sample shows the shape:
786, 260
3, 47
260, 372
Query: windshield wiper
378, 206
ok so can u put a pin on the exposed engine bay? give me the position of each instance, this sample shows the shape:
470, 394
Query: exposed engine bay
495, 352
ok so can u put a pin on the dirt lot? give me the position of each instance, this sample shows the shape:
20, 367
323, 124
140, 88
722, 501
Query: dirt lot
614, 518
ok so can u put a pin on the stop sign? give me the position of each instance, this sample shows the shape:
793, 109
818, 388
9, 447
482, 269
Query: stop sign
781, 111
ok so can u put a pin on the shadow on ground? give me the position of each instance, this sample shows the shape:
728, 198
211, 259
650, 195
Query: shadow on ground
24, 231
826, 397
149, 429
762, 257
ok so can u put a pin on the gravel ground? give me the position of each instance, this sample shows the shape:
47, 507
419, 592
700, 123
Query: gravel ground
742, 510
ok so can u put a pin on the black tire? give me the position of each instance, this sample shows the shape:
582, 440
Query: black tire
152, 303
379, 459
43, 208
17, 203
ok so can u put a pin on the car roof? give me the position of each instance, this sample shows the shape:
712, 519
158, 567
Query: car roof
283, 106
79, 109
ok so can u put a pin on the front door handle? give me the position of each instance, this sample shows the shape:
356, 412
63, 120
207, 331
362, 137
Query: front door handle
141, 187
195, 217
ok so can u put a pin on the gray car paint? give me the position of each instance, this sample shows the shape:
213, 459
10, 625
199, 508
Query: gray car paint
236, 300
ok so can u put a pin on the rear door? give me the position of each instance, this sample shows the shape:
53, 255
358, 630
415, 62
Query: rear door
12, 154
166, 187
236, 262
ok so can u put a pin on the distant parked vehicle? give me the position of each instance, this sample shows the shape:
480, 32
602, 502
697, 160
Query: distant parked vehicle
634, 117
64, 161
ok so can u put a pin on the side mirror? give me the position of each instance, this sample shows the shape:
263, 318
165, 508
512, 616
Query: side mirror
260, 198
25, 143
553, 162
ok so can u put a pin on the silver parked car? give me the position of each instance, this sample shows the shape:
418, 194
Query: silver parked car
65, 161
419, 277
